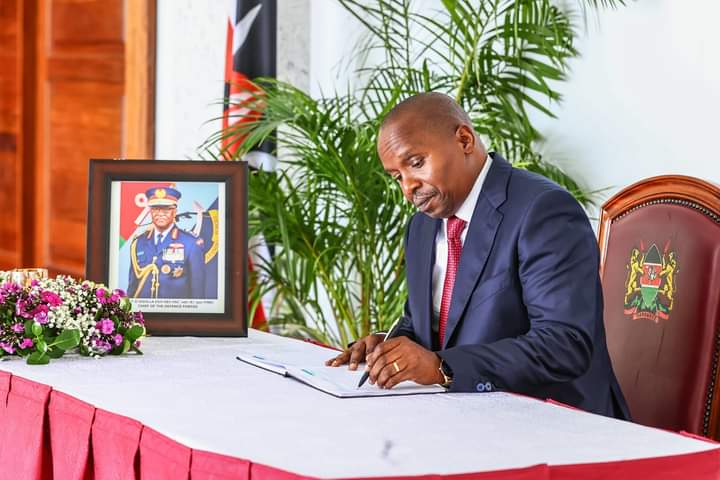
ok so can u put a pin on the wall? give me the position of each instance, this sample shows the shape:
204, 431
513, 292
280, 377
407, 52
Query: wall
644, 97
642, 100
191, 62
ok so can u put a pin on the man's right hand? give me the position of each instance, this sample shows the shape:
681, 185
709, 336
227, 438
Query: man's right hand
356, 354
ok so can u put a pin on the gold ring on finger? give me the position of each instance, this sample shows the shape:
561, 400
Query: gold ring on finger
397, 369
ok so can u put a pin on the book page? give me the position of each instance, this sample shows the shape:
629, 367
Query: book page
341, 382
306, 363
276, 358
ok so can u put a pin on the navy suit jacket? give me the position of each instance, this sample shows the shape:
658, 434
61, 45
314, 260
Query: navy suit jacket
526, 314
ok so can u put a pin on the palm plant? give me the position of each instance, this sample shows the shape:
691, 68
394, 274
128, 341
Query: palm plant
336, 219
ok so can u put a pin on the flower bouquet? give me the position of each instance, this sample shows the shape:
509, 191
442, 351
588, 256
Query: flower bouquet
48, 317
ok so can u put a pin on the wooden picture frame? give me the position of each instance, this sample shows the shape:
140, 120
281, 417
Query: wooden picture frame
169, 267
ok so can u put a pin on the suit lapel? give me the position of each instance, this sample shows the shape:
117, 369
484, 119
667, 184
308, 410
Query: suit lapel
422, 286
479, 240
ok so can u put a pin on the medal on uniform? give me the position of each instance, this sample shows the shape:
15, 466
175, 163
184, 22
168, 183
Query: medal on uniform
177, 271
175, 252
165, 269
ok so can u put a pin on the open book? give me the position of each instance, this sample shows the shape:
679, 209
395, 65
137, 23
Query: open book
306, 362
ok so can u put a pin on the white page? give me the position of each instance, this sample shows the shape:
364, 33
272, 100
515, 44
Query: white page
276, 358
341, 382
306, 362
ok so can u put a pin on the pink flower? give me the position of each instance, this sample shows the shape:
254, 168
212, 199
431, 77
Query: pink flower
26, 343
106, 326
137, 343
18, 328
120, 293
51, 298
101, 295
7, 347
40, 314
21, 309
118, 339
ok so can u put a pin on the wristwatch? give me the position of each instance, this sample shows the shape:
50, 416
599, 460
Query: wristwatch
446, 373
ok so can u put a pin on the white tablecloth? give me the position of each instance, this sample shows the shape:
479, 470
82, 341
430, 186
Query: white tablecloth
195, 391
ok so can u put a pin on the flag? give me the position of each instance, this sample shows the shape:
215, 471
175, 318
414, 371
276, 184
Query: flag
206, 229
249, 53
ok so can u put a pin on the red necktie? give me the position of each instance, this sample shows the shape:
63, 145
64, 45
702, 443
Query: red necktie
455, 227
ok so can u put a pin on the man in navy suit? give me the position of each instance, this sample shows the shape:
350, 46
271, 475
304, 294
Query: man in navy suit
166, 261
502, 272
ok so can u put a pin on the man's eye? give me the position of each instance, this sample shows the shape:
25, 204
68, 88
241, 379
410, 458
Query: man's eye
397, 178
417, 162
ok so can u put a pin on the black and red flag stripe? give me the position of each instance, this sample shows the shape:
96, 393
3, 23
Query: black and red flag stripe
250, 52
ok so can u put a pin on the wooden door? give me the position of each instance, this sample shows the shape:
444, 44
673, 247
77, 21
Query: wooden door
11, 30
87, 85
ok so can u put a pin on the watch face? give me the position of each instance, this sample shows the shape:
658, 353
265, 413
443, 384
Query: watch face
445, 369
446, 373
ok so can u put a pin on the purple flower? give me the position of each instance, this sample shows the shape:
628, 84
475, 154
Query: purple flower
18, 328
138, 318
21, 309
7, 347
120, 293
118, 339
40, 314
137, 343
34, 282
26, 343
51, 298
106, 326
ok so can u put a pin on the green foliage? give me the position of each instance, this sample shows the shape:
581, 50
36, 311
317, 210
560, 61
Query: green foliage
336, 219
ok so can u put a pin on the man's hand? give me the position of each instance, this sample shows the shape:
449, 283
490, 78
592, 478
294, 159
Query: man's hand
401, 359
357, 353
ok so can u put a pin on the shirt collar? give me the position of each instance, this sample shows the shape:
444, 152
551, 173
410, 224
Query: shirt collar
465, 212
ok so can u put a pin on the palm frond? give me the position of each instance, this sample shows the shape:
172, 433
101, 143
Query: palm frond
335, 218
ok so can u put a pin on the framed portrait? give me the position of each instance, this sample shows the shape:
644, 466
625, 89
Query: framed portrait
173, 235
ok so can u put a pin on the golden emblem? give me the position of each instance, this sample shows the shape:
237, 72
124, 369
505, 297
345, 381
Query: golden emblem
165, 269
160, 193
177, 271
650, 286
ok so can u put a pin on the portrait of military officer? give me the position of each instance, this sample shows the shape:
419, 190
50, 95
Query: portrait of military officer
165, 260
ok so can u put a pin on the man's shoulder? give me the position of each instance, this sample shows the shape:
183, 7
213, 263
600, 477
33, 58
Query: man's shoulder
526, 187
143, 237
187, 238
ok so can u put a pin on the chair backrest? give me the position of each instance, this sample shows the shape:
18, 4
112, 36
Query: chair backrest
660, 268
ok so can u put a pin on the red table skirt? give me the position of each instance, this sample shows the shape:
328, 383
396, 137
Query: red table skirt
47, 434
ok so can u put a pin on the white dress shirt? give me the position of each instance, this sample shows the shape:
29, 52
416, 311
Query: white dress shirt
160, 236
465, 212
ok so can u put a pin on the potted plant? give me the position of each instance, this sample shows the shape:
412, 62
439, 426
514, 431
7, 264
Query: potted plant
335, 218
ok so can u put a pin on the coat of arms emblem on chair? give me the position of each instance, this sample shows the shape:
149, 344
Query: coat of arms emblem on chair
650, 286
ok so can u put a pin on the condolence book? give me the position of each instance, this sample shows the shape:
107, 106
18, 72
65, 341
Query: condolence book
306, 362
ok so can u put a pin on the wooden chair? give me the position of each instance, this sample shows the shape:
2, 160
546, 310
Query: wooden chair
660, 268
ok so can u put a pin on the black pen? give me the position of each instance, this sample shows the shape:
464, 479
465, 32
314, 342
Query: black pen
391, 333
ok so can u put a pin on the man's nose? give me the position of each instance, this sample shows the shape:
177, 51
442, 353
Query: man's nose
409, 186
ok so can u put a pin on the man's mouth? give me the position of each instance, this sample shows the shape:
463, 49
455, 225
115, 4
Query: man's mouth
422, 202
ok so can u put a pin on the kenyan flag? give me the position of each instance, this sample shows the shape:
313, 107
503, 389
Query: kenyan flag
650, 280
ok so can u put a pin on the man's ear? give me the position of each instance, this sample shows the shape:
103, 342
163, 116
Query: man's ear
466, 137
